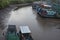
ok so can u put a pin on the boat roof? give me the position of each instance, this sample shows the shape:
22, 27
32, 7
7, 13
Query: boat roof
46, 5
25, 29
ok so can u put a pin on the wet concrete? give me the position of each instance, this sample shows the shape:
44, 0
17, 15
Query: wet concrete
41, 28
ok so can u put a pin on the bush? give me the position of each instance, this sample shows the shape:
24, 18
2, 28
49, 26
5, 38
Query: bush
3, 3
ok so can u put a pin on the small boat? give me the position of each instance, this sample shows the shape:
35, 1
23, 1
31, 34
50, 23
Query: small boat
25, 33
11, 33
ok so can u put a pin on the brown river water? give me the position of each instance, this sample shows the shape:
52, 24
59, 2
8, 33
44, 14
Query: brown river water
41, 28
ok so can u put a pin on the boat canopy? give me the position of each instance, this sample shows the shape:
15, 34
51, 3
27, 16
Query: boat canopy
25, 29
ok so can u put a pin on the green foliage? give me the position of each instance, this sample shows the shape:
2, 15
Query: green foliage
3, 3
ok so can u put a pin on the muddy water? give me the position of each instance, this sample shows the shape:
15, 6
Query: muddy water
41, 28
